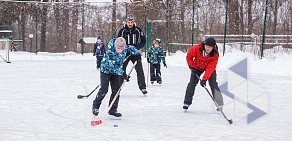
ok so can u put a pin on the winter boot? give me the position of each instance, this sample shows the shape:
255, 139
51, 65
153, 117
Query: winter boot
144, 91
95, 111
159, 82
115, 114
186, 106
152, 82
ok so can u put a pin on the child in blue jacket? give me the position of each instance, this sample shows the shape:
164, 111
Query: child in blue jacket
98, 51
111, 71
155, 55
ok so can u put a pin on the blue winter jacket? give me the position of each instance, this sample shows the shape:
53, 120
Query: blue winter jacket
155, 55
112, 62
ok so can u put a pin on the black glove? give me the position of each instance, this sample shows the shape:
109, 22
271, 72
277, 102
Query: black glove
164, 64
192, 69
126, 77
148, 60
203, 83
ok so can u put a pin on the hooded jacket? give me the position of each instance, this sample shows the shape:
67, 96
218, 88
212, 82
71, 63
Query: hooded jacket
112, 63
198, 61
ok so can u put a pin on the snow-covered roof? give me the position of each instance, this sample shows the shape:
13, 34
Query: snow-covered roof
90, 40
7, 31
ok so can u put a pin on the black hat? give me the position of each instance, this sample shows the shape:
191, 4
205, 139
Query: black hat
156, 41
210, 41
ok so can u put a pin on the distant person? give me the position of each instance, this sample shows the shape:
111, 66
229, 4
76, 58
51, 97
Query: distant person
98, 51
201, 58
111, 73
156, 55
134, 36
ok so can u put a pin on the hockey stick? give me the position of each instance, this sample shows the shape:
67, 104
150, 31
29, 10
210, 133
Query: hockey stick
5, 60
119, 91
82, 96
229, 120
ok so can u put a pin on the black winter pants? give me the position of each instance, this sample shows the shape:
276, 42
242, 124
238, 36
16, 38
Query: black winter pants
98, 60
115, 82
155, 74
138, 68
217, 96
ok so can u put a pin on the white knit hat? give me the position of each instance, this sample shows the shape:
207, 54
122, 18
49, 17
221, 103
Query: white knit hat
120, 42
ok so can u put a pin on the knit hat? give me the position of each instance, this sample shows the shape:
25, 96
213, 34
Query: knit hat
210, 41
120, 42
130, 18
156, 41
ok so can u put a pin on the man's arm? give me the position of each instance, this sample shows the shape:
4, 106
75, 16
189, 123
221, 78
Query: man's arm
142, 38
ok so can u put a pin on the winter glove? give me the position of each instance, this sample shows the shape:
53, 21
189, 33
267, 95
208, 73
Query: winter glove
148, 60
203, 83
192, 69
164, 64
126, 77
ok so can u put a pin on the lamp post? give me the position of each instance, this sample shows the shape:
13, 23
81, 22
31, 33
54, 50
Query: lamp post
30, 36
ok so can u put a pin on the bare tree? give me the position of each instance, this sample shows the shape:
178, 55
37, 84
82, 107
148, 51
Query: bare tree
43, 26
74, 32
233, 16
57, 14
66, 22
114, 17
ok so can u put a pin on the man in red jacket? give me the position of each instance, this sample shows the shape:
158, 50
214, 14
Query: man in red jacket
203, 58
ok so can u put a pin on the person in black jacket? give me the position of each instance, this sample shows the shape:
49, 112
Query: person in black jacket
134, 36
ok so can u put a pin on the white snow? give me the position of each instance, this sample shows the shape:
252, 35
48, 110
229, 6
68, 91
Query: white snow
39, 101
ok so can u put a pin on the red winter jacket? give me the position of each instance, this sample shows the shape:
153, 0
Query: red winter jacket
196, 60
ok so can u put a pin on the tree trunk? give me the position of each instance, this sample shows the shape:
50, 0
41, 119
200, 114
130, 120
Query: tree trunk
242, 18
275, 12
58, 39
114, 18
182, 18
66, 37
74, 32
249, 16
233, 16
22, 23
290, 21
44, 26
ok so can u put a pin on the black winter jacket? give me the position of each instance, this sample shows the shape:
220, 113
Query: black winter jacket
134, 36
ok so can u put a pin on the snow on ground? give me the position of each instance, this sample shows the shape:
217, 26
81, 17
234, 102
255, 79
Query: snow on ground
39, 101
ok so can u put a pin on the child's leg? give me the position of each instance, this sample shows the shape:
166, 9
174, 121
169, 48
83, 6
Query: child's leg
116, 82
104, 82
152, 72
99, 58
158, 73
